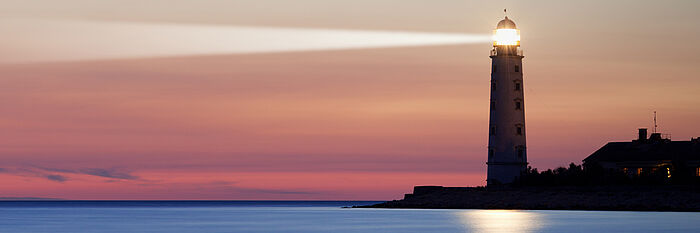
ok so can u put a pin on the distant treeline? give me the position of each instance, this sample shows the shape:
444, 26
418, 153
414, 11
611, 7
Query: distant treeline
577, 175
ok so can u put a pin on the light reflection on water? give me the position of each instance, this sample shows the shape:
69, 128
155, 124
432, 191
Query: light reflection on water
487, 221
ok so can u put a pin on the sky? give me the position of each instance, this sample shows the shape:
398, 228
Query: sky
318, 99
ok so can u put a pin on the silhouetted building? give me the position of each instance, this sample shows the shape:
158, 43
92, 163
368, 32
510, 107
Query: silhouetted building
507, 154
652, 155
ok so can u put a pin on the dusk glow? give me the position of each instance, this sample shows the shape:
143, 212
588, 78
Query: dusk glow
321, 100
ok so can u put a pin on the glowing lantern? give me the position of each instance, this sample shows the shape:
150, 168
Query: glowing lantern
506, 33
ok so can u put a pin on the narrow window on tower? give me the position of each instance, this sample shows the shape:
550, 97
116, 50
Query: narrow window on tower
518, 105
492, 130
521, 151
519, 130
493, 85
517, 86
517, 68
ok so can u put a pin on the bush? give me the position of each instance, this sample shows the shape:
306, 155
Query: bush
577, 175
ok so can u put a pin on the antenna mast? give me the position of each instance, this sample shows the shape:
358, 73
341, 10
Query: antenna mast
655, 125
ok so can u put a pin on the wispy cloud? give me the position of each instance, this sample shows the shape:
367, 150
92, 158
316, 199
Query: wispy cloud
54, 174
101, 172
57, 178
109, 173
34, 173
28, 199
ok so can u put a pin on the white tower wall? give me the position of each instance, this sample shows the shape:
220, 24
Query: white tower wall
507, 152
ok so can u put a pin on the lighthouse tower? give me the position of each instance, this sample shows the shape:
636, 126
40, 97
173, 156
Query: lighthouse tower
507, 154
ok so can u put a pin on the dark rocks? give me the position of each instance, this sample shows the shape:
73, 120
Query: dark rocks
632, 198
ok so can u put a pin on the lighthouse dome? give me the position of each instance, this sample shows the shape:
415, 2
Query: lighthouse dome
506, 24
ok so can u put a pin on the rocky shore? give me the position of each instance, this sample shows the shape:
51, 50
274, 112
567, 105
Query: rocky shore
626, 198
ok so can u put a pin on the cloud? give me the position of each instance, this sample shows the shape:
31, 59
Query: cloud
29, 199
101, 172
108, 173
34, 173
57, 178
50, 173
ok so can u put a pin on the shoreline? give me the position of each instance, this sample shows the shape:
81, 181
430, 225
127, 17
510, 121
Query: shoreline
584, 198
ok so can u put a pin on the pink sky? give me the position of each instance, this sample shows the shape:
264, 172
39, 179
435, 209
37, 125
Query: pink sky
362, 124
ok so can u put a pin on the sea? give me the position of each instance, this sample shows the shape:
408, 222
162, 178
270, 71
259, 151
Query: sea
316, 216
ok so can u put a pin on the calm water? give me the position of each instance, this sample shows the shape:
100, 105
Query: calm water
256, 216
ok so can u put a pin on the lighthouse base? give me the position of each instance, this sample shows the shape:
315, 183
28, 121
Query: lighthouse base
504, 173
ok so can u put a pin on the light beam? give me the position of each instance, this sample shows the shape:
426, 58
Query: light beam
32, 40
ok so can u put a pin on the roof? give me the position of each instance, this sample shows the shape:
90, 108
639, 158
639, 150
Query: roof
506, 24
647, 151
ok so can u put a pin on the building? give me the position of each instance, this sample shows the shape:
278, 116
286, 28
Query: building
652, 155
507, 153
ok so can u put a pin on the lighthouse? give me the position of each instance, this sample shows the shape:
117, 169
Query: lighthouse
507, 151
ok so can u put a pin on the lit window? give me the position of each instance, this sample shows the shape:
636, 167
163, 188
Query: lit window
518, 105
517, 86
517, 68
697, 171
639, 171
